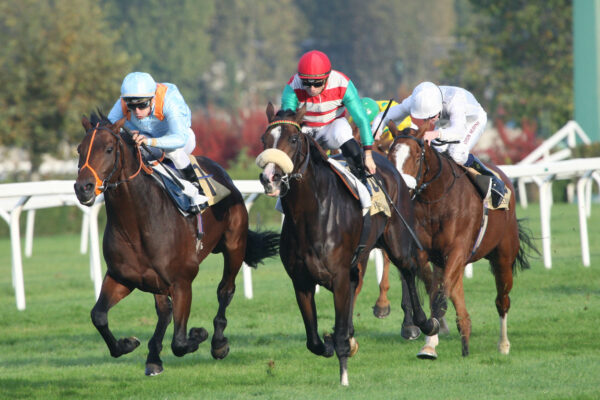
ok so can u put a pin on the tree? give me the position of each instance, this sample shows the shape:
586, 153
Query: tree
58, 62
517, 56
169, 39
255, 48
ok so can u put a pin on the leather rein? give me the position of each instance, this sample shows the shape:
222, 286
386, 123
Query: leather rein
423, 169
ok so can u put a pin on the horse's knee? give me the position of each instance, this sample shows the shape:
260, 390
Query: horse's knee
99, 318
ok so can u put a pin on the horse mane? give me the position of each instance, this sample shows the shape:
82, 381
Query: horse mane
98, 118
316, 151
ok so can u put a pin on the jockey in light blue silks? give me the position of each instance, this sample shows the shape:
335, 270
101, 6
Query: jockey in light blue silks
159, 117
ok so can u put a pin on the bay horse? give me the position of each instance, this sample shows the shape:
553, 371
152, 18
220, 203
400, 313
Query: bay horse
323, 227
149, 245
450, 219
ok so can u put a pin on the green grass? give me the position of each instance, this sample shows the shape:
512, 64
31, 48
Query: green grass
52, 351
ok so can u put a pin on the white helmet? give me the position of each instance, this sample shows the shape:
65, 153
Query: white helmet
426, 101
138, 84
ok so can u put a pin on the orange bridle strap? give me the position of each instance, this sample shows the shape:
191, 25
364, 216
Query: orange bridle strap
100, 185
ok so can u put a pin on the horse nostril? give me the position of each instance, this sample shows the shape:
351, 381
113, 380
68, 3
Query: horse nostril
276, 177
88, 187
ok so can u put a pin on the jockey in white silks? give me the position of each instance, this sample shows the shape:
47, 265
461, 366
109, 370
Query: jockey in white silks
454, 115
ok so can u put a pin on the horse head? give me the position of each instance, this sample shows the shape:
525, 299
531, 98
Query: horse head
99, 157
407, 154
285, 149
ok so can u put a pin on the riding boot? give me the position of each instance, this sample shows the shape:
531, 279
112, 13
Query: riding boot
189, 174
353, 156
487, 183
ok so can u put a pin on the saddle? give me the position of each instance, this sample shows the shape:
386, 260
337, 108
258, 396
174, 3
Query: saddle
473, 174
378, 200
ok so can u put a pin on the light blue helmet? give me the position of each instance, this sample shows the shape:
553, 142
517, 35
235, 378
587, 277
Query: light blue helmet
138, 84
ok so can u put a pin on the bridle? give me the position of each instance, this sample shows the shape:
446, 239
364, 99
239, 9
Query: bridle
298, 154
423, 169
103, 185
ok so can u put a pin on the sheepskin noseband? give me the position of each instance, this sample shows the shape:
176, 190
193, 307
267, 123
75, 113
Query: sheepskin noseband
277, 157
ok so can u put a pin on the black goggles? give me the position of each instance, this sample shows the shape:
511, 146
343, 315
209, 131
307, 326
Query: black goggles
132, 105
313, 82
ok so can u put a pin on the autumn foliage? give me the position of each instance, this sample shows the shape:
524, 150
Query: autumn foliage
514, 147
221, 136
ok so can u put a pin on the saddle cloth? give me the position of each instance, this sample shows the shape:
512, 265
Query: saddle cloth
211, 188
375, 201
488, 201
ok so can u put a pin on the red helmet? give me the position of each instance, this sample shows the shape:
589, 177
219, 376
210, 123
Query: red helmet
314, 65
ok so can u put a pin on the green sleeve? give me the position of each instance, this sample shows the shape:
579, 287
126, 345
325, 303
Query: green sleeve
357, 112
289, 100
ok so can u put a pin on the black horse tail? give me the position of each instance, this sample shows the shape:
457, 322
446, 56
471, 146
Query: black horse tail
526, 246
260, 245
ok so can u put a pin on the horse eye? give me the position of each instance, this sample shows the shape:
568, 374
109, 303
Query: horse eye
294, 139
109, 149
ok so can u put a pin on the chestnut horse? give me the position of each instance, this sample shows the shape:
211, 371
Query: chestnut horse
149, 245
450, 219
324, 231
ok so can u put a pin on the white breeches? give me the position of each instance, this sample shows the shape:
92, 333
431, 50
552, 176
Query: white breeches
332, 136
180, 156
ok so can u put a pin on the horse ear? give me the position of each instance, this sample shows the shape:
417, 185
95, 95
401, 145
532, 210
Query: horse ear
393, 128
270, 112
119, 124
300, 113
87, 125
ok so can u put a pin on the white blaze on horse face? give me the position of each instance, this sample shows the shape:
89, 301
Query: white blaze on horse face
276, 133
400, 156
269, 173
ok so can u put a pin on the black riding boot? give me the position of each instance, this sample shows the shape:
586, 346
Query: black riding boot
488, 183
189, 174
353, 155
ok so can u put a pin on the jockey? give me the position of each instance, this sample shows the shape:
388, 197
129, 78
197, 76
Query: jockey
326, 93
450, 114
159, 117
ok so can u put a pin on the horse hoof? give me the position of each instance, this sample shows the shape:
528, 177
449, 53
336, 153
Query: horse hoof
410, 332
353, 346
329, 348
220, 353
126, 345
153, 369
381, 312
427, 353
197, 335
444, 329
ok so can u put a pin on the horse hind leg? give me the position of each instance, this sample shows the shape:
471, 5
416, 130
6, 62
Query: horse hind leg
164, 311
504, 281
182, 301
233, 256
382, 307
110, 294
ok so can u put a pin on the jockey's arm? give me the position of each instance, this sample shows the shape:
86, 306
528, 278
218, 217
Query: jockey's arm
457, 129
359, 116
289, 100
396, 113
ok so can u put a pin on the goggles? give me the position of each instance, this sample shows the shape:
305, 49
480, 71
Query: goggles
133, 103
313, 82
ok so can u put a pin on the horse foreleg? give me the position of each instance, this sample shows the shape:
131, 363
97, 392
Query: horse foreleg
181, 293
305, 296
164, 311
453, 288
382, 307
504, 282
110, 294
342, 298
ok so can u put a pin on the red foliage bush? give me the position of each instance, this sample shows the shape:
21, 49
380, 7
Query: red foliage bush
221, 137
515, 147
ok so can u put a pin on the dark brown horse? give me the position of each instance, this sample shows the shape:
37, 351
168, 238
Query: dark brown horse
323, 227
149, 245
450, 219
